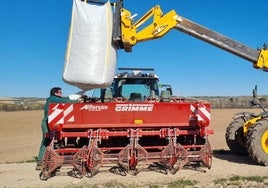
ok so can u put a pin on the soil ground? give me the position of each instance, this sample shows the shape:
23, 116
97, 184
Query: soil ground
20, 136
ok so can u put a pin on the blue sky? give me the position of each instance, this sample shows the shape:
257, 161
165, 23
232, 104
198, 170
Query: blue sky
34, 34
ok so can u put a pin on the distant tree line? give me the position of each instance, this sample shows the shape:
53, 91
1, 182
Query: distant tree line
21, 107
235, 102
217, 102
22, 104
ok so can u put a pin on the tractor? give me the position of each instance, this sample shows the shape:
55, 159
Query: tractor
247, 134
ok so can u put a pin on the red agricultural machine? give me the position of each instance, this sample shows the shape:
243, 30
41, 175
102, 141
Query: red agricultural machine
135, 123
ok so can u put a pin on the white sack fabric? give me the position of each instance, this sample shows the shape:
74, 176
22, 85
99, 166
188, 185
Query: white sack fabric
90, 60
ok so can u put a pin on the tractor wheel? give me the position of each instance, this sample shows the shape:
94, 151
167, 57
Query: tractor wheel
257, 142
235, 138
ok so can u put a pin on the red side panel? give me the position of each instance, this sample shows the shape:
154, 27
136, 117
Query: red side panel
125, 115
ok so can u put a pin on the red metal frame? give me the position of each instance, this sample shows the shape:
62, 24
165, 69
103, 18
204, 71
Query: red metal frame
104, 122
127, 115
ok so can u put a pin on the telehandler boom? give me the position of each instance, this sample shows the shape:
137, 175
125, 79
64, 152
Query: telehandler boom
127, 33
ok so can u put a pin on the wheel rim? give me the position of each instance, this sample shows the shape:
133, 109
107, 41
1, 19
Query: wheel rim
264, 141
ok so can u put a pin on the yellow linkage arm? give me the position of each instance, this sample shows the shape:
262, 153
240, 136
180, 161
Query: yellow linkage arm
249, 123
262, 62
160, 26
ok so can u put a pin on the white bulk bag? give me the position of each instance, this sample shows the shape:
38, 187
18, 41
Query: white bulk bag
90, 59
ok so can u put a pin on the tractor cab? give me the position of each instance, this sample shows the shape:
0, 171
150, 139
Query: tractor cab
135, 84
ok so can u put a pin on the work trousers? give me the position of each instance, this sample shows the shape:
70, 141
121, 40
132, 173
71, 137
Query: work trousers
44, 141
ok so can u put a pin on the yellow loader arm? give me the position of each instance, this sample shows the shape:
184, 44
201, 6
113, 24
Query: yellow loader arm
160, 26
130, 33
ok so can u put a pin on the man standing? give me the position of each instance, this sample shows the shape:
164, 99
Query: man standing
55, 97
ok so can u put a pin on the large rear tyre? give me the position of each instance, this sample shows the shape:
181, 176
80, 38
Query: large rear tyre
235, 138
257, 142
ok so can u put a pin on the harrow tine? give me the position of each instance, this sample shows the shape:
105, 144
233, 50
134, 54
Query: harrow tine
118, 170
158, 167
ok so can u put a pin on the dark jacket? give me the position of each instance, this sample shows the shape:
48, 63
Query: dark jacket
56, 99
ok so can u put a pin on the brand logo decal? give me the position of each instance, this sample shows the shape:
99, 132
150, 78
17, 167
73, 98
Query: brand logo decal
91, 107
134, 107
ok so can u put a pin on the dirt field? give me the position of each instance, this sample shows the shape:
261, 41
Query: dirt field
20, 135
